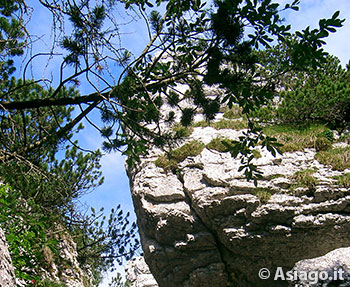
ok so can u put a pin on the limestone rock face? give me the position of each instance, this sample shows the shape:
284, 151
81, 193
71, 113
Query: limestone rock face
207, 226
7, 275
138, 273
71, 273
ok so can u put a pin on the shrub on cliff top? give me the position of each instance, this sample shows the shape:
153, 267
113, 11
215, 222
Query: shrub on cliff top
295, 137
322, 95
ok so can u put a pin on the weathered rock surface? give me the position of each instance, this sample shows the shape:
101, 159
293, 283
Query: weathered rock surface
332, 269
208, 226
7, 275
138, 273
71, 273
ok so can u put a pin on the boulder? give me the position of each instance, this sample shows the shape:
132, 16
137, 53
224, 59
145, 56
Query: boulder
332, 269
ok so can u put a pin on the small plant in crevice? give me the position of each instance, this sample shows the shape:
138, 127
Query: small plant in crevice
304, 178
170, 161
343, 180
264, 194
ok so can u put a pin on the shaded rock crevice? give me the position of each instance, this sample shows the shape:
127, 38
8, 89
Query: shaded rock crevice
220, 247
186, 254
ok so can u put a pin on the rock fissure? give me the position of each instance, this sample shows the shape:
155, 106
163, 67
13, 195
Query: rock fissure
213, 233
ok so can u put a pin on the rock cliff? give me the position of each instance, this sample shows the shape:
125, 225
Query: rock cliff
138, 273
204, 225
71, 274
7, 275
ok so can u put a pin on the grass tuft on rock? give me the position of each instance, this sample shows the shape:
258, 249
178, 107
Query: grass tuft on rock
171, 160
224, 124
49, 283
230, 124
295, 138
218, 144
337, 158
182, 131
343, 180
264, 194
304, 178
256, 153
234, 113
322, 144
274, 176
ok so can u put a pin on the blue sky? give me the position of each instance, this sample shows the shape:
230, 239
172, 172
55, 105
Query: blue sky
309, 14
115, 189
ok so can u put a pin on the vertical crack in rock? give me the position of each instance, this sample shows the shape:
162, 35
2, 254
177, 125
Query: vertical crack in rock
212, 232
178, 248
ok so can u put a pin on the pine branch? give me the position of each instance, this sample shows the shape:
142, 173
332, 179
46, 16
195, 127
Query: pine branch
59, 134
50, 102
